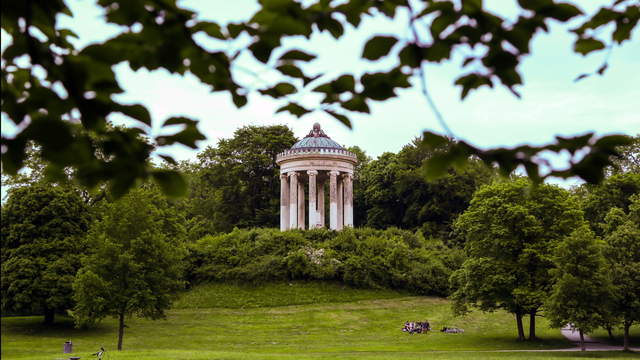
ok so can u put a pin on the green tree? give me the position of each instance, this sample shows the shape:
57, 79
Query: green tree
134, 267
622, 254
43, 229
509, 230
378, 179
582, 288
396, 194
435, 31
238, 182
434, 204
629, 159
614, 192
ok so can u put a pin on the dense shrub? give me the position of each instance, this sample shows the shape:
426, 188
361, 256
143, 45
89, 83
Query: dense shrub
391, 258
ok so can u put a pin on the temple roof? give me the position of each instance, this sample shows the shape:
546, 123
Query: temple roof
316, 139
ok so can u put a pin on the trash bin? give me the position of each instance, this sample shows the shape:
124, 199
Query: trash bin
68, 347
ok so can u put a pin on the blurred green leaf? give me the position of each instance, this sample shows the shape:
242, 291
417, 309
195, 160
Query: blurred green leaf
135, 111
171, 182
470, 82
291, 70
279, 90
613, 141
378, 46
562, 11
585, 46
294, 109
411, 55
212, 29
188, 136
179, 120
297, 55
356, 103
342, 118
169, 159
434, 141
262, 50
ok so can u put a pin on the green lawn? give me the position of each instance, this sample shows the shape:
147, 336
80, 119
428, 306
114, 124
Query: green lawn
355, 325
276, 294
618, 339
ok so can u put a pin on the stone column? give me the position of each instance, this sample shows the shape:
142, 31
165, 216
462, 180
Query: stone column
284, 202
340, 203
333, 200
348, 200
313, 209
321, 203
301, 224
293, 200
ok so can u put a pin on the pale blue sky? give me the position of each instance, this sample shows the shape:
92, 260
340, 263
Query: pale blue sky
552, 104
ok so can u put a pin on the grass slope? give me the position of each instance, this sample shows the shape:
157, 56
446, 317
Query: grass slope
276, 294
341, 323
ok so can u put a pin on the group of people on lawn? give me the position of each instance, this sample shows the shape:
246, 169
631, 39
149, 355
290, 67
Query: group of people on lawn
416, 327
423, 327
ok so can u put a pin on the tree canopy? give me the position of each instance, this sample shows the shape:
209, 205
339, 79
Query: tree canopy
61, 97
615, 192
134, 266
509, 231
43, 230
582, 287
622, 253
395, 192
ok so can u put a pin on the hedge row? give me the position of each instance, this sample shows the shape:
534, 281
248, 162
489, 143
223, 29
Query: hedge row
363, 257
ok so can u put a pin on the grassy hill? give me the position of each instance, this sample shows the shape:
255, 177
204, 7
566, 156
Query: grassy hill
289, 321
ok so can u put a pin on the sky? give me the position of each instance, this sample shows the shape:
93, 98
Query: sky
551, 104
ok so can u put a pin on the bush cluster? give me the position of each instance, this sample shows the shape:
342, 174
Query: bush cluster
364, 257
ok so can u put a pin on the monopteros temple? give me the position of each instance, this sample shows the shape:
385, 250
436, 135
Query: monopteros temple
315, 163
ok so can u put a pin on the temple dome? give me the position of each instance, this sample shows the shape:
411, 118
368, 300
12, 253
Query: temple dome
316, 139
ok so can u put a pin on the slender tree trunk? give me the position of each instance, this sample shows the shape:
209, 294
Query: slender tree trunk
610, 332
49, 315
627, 325
520, 327
532, 325
582, 347
120, 329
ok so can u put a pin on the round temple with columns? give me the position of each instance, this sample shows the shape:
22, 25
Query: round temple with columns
316, 163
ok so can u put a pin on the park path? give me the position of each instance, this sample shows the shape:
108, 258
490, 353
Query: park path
590, 343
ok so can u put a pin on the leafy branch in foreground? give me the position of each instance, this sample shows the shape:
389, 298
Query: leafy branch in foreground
590, 156
48, 85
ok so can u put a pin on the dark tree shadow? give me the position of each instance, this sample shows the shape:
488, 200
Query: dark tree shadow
63, 326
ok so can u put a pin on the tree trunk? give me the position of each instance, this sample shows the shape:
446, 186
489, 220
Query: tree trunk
49, 315
120, 329
520, 327
532, 325
582, 347
627, 325
610, 332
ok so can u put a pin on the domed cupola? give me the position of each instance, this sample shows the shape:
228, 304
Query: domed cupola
316, 139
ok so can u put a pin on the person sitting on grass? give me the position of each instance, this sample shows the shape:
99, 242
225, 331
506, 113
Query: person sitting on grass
426, 326
451, 330
405, 328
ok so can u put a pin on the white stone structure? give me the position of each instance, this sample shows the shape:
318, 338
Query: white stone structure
316, 161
